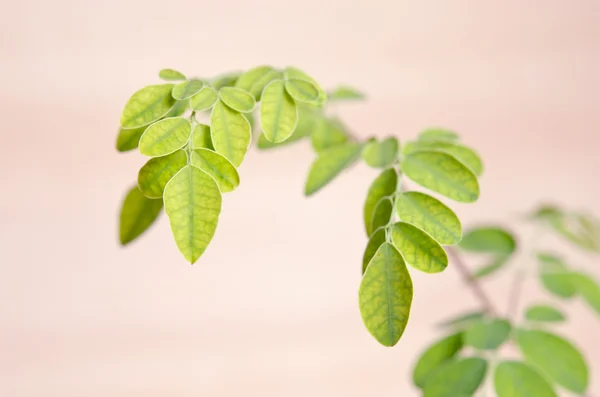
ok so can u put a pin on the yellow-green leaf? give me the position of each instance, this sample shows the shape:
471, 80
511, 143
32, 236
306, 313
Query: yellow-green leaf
544, 313
225, 80
383, 186
192, 203
187, 89
138, 213
487, 334
385, 295
147, 105
278, 112
307, 121
344, 93
555, 276
204, 99
178, 109
462, 321
418, 248
295, 73
329, 164
217, 166
497, 263
129, 139
443, 174
436, 355
155, 174
462, 153
171, 75
255, 80
456, 378
517, 379
237, 99
438, 134
327, 133
382, 213
373, 245
302, 90
201, 137
588, 289
230, 133
431, 215
165, 136
381, 154
488, 239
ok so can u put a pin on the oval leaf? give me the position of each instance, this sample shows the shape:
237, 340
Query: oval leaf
155, 174
443, 174
381, 154
487, 334
438, 134
171, 75
327, 133
418, 248
382, 213
544, 313
192, 203
301, 90
431, 215
165, 136
307, 122
187, 89
147, 105
385, 295
255, 80
217, 166
463, 321
384, 185
278, 112
329, 164
129, 139
435, 355
138, 213
516, 379
588, 289
456, 378
345, 93
555, 276
230, 133
294, 73
488, 239
225, 80
556, 357
376, 240
178, 109
204, 99
201, 137
465, 155
237, 99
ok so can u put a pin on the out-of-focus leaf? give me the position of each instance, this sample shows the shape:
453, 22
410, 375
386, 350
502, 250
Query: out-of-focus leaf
517, 379
555, 276
438, 134
418, 248
496, 264
456, 378
588, 289
255, 80
381, 154
376, 240
344, 93
435, 355
138, 213
171, 75
463, 321
225, 80
147, 105
165, 136
544, 313
487, 334
330, 164
155, 174
230, 133
328, 133
383, 186
488, 239
129, 139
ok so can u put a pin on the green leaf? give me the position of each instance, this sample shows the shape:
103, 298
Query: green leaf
201, 137
155, 174
187, 89
556, 357
138, 213
376, 240
383, 186
302, 90
382, 213
192, 203
294, 73
555, 276
488, 239
225, 80
330, 164
436, 355
230, 133
463, 321
588, 289
345, 93
147, 105
171, 75
487, 334
418, 248
179, 109
456, 378
255, 80
579, 229
544, 313
128, 139
438, 134
431, 215
517, 379
204, 99
237, 99
381, 154
307, 120
165, 136
496, 264
278, 112
217, 166
385, 295
465, 155
442, 173
328, 133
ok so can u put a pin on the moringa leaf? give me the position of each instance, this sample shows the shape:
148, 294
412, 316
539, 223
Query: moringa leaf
138, 213
488, 239
217, 166
442, 173
418, 248
456, 378
487, 334
517, 379
555, 357
463, 320
382, 213
327, 133
155, 174
330, 164
307, 120
178, 109
204, 99
192, 203
147, 105
187, 89
301, 90
171, 75
555, 276
385, 295
376, 240
381, 154
201, 137
544, 313
255, 80
436, 355
344, 93
588, 289
165, 136
225, 80
496, 264
438, 134
278, 112
383, 186
294, 73
465, 155
431, 215
237, 99
129, 139
230, 133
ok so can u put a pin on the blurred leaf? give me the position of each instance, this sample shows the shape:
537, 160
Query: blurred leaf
555, 276
178, 109
385, 295
384, 185
330, 164
138, 213
588, 289
465, 155
382, 213
230, 133
301, 90
544, 313
435, 355
147, 105
418, 248
438, 134
556, 357
225, 80
171, 75
204, 99
129, 139
237, 99
201, 137
217, 166
443, 174
517, 379
487, 334
328, 133
381, 154
456, 378
464, 320
496, 264
255, 80
488, 239
187, 89
278, 112
580, 229
376, 240
165, 136
345, 93
155, 174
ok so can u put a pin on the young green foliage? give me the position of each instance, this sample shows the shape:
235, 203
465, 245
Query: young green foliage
138, 213
436, 355
517, 379
454, 378
487, 334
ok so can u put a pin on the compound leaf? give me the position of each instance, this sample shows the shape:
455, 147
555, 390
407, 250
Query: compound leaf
187, 89
255, 80
329, 164
165, 136
345, 93
237, 99
230, 133
555, 276
147, 105
383, 186
278, 112
376, 240
381, 154
488, 239
456, 378
204, 99
302, 90
588, 289
171, 75
155, 174
462, 153
138, 213
201, 137
435, 355
487, 334
517, 379
217, 166
418, 248
544, 313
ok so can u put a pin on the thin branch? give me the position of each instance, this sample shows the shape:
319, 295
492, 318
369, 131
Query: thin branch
515, 294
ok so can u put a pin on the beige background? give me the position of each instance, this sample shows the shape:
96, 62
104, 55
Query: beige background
271, 309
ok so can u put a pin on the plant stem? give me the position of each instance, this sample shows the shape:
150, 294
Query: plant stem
488, 307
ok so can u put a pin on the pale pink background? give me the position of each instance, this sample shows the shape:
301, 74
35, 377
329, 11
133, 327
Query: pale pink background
271, 308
